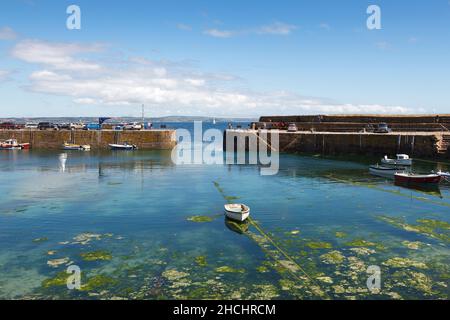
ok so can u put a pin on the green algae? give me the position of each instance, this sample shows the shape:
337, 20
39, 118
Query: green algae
319, 245
340, 235
96, 256
332, 257
413, 245
399, 262
434, 224
427, 227
200, 219
360, 243
415, 280
174, 275
57, 262
39, 240
325, 279
265, 292
231, 198
60, 279
201, 261
227, 269
86, 238
98, 282
218, 187
262, 269
363, 251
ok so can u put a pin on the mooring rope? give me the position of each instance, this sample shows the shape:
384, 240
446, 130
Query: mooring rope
286, 255
280, 250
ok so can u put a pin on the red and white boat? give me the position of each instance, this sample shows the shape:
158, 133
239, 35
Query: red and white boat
412, 178
12, 144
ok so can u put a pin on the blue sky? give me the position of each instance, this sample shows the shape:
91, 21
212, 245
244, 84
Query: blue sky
223, 58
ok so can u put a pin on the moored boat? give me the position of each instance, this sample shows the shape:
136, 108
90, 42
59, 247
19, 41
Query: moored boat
385, 172
124, 146
421, 179
444, 175
237, 212
78, 147
402, 160
11, 144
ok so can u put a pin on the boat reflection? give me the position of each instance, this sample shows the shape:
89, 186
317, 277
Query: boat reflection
237, 227
430, 189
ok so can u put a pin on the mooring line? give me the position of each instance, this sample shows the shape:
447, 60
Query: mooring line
287, 256
280, 250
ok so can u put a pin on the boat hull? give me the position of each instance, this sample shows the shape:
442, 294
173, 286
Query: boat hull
384, 172
122, 147
237, 212
76, 147
419, 180
13, 145
241, 217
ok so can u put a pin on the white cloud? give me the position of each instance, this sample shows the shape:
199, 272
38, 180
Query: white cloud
57, 56
218, 33
277, 28
170, 88
6, 33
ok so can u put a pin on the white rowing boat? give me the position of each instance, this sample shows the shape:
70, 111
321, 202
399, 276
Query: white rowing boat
72, 146
385, 172
237, 212
124, 146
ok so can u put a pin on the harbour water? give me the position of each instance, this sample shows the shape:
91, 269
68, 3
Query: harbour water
140, 227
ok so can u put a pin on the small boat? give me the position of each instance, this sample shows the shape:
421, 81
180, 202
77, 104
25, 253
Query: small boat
78, 147
124, 146
237, 212
386, 172
412, 178
12, 144
444, 174
402, 160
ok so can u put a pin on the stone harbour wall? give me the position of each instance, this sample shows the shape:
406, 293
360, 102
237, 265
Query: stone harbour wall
43, 139
422, 145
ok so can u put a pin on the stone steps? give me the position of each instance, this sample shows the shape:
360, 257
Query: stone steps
444, 144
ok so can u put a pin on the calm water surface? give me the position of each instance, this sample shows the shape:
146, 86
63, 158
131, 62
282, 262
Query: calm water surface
140, 227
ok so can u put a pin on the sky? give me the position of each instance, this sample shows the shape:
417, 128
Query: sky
232, 58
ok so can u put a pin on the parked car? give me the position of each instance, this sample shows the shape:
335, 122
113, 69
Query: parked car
47, 126
292, 127
76, 126
133, 126
382, 128
9, 126
92, 126
64, 126
31, 126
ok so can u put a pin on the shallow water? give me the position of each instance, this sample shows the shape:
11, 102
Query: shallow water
155, 230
